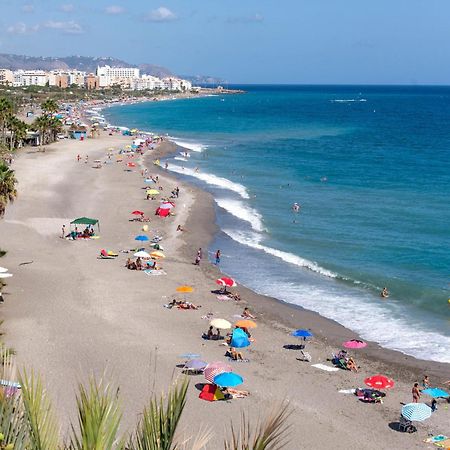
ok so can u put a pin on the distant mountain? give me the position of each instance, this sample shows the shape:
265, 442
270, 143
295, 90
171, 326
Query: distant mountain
89, 64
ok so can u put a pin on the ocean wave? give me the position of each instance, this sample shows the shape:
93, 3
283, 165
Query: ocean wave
242, 211
194, 146
180, 158
213, 180
348, 100
253, 240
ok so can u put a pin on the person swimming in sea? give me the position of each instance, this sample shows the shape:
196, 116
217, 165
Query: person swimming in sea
384, 293
296, 207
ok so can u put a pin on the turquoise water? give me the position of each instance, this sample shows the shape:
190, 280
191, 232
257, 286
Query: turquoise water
370, 167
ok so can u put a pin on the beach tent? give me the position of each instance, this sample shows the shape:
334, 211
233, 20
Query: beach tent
86, 221
162, 212
211, 393
239, 339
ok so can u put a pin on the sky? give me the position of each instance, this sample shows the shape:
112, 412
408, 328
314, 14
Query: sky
245, 41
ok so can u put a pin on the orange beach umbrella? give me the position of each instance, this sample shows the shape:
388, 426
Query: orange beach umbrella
185, 289
245, 323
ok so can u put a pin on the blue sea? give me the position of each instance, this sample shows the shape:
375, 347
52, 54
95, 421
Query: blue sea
370, 167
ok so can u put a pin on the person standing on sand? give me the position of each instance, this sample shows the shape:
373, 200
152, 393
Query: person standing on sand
217, 257
63, 232
87, 159
78, 157
415, 393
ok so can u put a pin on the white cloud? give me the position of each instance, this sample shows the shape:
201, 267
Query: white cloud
21, 28
161, 14
67, 7
114, 9
69, 27
27, 8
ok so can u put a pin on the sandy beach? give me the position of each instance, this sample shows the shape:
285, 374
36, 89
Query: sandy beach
69, 314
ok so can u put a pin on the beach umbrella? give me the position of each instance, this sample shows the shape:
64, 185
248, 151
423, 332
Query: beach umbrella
195, 364
379, 382
165, 206
228, 379
141, 237
137, 213
156, 246
245, 323
157, 254
142, 254
416, 412
354, 343
131, 164
220, 324
189, 355
152, 192
436, 393
302, 333
3, 270
226, 281
145, 228
216, 368
184, 289
6, 275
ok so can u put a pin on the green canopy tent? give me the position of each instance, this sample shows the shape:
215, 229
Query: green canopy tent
86, 221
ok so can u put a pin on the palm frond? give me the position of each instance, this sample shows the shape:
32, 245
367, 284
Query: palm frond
156, 430
12, 424
39, 415
271, 433
98, 418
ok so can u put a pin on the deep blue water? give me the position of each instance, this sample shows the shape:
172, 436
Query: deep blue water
370, 167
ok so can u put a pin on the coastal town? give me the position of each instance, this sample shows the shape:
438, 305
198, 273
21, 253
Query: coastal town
127, 78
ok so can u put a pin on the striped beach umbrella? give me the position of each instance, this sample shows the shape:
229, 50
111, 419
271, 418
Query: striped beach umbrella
416, 411
216, 368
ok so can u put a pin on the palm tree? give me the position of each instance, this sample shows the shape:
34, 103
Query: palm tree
55, 127
6, 109
42, 124
17, 129
7, 187
49, 106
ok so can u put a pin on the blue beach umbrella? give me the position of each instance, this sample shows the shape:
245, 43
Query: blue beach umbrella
302, 333
416, 412
228, 379
436, 393
141, 238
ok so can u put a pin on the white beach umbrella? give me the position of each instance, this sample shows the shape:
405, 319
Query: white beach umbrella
142, 254
6, 275
3, 269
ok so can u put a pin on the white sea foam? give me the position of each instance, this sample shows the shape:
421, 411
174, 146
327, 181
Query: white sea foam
349, 100
194, 146
383, 323
213, 180
242, 211
253, 240
180, 158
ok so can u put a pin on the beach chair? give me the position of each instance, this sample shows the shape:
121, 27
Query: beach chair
304, 356
406, 425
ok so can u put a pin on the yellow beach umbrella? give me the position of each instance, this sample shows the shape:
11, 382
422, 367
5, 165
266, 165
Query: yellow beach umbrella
221, 324
157, 254
152, 192
185, 289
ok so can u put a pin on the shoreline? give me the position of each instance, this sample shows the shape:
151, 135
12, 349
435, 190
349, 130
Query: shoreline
288, 315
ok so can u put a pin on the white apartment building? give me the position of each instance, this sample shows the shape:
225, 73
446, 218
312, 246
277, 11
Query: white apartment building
6, 77
146, 82
71, 76
76, 77
176, 84
30, 78
123, 76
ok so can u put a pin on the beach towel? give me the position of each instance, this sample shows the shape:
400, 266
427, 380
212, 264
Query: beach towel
443, 444
347, 391
155, 272
325, 367
223, 297
245, 360
438, 438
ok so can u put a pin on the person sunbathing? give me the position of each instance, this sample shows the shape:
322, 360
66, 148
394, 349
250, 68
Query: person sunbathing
210, 335
351, 365
246, 314
139, 264
187, 305
235, 393
233, 354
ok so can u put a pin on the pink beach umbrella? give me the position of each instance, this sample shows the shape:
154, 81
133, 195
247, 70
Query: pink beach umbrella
226, 281
354, 343
216, 368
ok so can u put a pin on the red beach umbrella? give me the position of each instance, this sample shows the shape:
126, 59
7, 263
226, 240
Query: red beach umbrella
137, 213
131, 164
379, 382
225, 281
